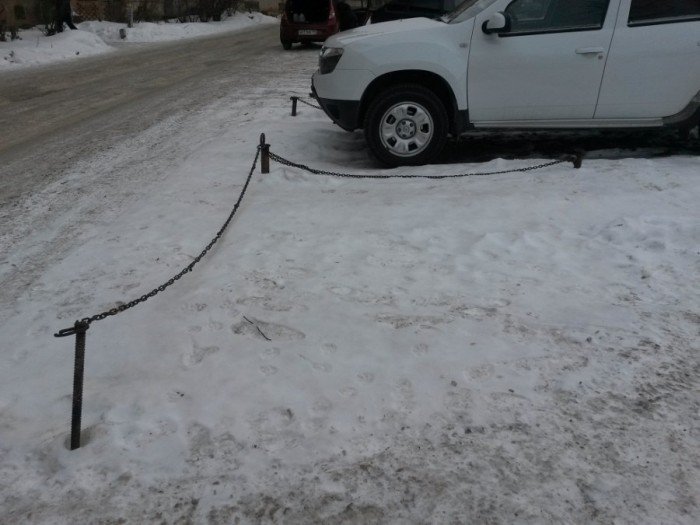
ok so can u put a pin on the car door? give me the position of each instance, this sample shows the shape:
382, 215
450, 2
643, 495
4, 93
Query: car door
654, 65
547, 67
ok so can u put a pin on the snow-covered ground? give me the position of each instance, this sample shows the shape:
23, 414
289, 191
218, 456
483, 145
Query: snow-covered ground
518, 348
93, 38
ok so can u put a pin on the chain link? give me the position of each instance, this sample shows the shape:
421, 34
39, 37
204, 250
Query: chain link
286, 162
122, 307
300, 99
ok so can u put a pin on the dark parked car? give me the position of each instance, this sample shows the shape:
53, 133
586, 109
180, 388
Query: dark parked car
398, 9
314, 20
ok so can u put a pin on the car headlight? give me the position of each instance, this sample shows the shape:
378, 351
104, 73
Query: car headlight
329, 58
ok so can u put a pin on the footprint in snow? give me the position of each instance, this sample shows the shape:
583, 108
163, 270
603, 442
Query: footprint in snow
197, 354
266, 331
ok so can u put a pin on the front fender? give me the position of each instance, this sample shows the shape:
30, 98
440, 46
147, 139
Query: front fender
441, 49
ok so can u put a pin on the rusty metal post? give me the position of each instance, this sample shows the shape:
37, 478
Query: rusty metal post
578, 159
78, 330
264, 155
294, 105
575, 158
78, 374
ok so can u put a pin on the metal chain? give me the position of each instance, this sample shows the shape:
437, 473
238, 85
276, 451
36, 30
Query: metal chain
122, 307
86, 321
300, 99
286, 162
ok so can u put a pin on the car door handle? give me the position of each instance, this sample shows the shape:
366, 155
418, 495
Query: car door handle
590, 50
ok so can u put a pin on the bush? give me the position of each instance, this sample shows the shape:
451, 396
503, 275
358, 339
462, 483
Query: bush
147, 11
187, 11
231, 10
214, 9
4, 29
224, 6
46, 15
19, 12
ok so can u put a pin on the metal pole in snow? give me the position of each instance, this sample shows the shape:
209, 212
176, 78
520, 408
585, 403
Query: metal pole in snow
264, 155
78, 330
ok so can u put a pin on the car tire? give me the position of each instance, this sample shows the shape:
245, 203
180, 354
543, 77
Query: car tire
694, 139
406, 125
286, 45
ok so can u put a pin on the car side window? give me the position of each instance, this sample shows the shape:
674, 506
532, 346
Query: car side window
555, 16
651, 12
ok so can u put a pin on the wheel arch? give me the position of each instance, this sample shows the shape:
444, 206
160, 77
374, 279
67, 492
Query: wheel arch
458, 120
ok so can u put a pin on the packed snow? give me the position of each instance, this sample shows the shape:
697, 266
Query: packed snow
519, 348
34, 48
94, 37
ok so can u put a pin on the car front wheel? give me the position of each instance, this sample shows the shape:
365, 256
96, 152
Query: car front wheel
406, 125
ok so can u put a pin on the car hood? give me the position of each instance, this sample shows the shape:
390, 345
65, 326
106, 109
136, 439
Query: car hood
384, 28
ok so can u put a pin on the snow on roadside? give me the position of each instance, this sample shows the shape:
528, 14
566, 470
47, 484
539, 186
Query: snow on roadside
35, 48
162, 32
94, 38
511, 349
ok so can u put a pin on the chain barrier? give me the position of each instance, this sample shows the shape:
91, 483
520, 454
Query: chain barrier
122, 307
297, 98
263, 153
309, 104
81, 326
575, 159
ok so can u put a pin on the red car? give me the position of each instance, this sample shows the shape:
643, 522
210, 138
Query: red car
308, 21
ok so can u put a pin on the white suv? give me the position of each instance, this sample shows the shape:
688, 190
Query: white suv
509, 64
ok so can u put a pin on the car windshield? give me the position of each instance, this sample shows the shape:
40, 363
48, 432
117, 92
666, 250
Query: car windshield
466, 9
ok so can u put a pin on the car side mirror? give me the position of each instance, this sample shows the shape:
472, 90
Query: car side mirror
497, 23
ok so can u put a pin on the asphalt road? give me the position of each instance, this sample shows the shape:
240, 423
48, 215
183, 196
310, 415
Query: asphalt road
79, 139
51, 117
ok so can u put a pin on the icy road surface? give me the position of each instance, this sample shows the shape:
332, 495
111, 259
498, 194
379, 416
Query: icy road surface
511, 349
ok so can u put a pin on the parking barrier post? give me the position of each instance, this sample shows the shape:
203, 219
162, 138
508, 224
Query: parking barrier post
577, 159
78, 330
294, 100
264, 155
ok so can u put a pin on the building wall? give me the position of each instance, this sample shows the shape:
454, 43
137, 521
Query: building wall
277, 6
269, 6
89, 9
18, 13
25, 13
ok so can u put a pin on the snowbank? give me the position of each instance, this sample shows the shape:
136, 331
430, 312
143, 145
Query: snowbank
35, 48
93, 38
161, 32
